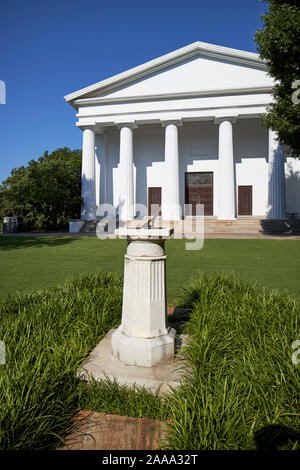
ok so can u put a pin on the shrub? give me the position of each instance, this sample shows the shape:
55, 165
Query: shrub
46, 192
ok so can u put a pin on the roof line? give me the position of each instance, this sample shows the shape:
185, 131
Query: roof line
208, 49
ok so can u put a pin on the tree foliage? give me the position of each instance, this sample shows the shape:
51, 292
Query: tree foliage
46, 192
279, 45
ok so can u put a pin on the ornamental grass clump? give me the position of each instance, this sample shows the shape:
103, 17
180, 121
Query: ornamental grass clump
242, 390
47, 334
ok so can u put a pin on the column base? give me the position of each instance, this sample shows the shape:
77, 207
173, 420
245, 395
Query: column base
144, 352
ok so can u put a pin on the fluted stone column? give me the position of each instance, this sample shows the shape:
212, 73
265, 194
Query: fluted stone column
144, 339
170, 200
126, 208
100, 168
226, 178
97, 172
88, 191
276, 196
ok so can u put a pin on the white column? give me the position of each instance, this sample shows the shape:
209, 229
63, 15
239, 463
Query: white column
126, 205
276, 199
97, 171
100, 169
170, 197
226, 177
88, 192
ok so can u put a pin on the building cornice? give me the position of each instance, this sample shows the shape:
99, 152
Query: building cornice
183, 115
171, 111
208, 50
169, 96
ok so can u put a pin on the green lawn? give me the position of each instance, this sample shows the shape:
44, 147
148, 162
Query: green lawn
39, 262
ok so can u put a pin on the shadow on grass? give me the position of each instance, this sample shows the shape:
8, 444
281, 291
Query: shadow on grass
275, 436
177, 317
14, 242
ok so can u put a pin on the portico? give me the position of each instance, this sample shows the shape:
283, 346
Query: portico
165, 133
94, 159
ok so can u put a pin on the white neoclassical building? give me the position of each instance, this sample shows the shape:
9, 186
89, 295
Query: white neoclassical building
185, 128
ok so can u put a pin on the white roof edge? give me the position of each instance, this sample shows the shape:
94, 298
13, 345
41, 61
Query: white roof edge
164, 59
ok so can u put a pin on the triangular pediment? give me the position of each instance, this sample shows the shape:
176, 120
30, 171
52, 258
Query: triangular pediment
192, 69
196, 74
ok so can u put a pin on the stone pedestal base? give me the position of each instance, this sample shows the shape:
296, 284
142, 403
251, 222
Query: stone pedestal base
102, 365
144, 352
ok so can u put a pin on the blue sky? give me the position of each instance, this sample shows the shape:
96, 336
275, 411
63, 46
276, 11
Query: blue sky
51, 48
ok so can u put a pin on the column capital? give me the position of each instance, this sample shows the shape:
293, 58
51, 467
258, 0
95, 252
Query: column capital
176, 121
128, 123
87, 127
220, 119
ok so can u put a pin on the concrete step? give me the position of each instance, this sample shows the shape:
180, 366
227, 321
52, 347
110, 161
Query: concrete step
232, 222
226, 230
242, 226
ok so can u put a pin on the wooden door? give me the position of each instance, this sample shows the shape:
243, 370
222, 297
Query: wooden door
199, 190
245, 200
154, 201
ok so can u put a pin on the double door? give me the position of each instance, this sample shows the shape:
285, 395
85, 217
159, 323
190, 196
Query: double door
199, 190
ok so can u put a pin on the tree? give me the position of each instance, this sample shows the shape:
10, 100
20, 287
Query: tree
279, 45
46, 193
